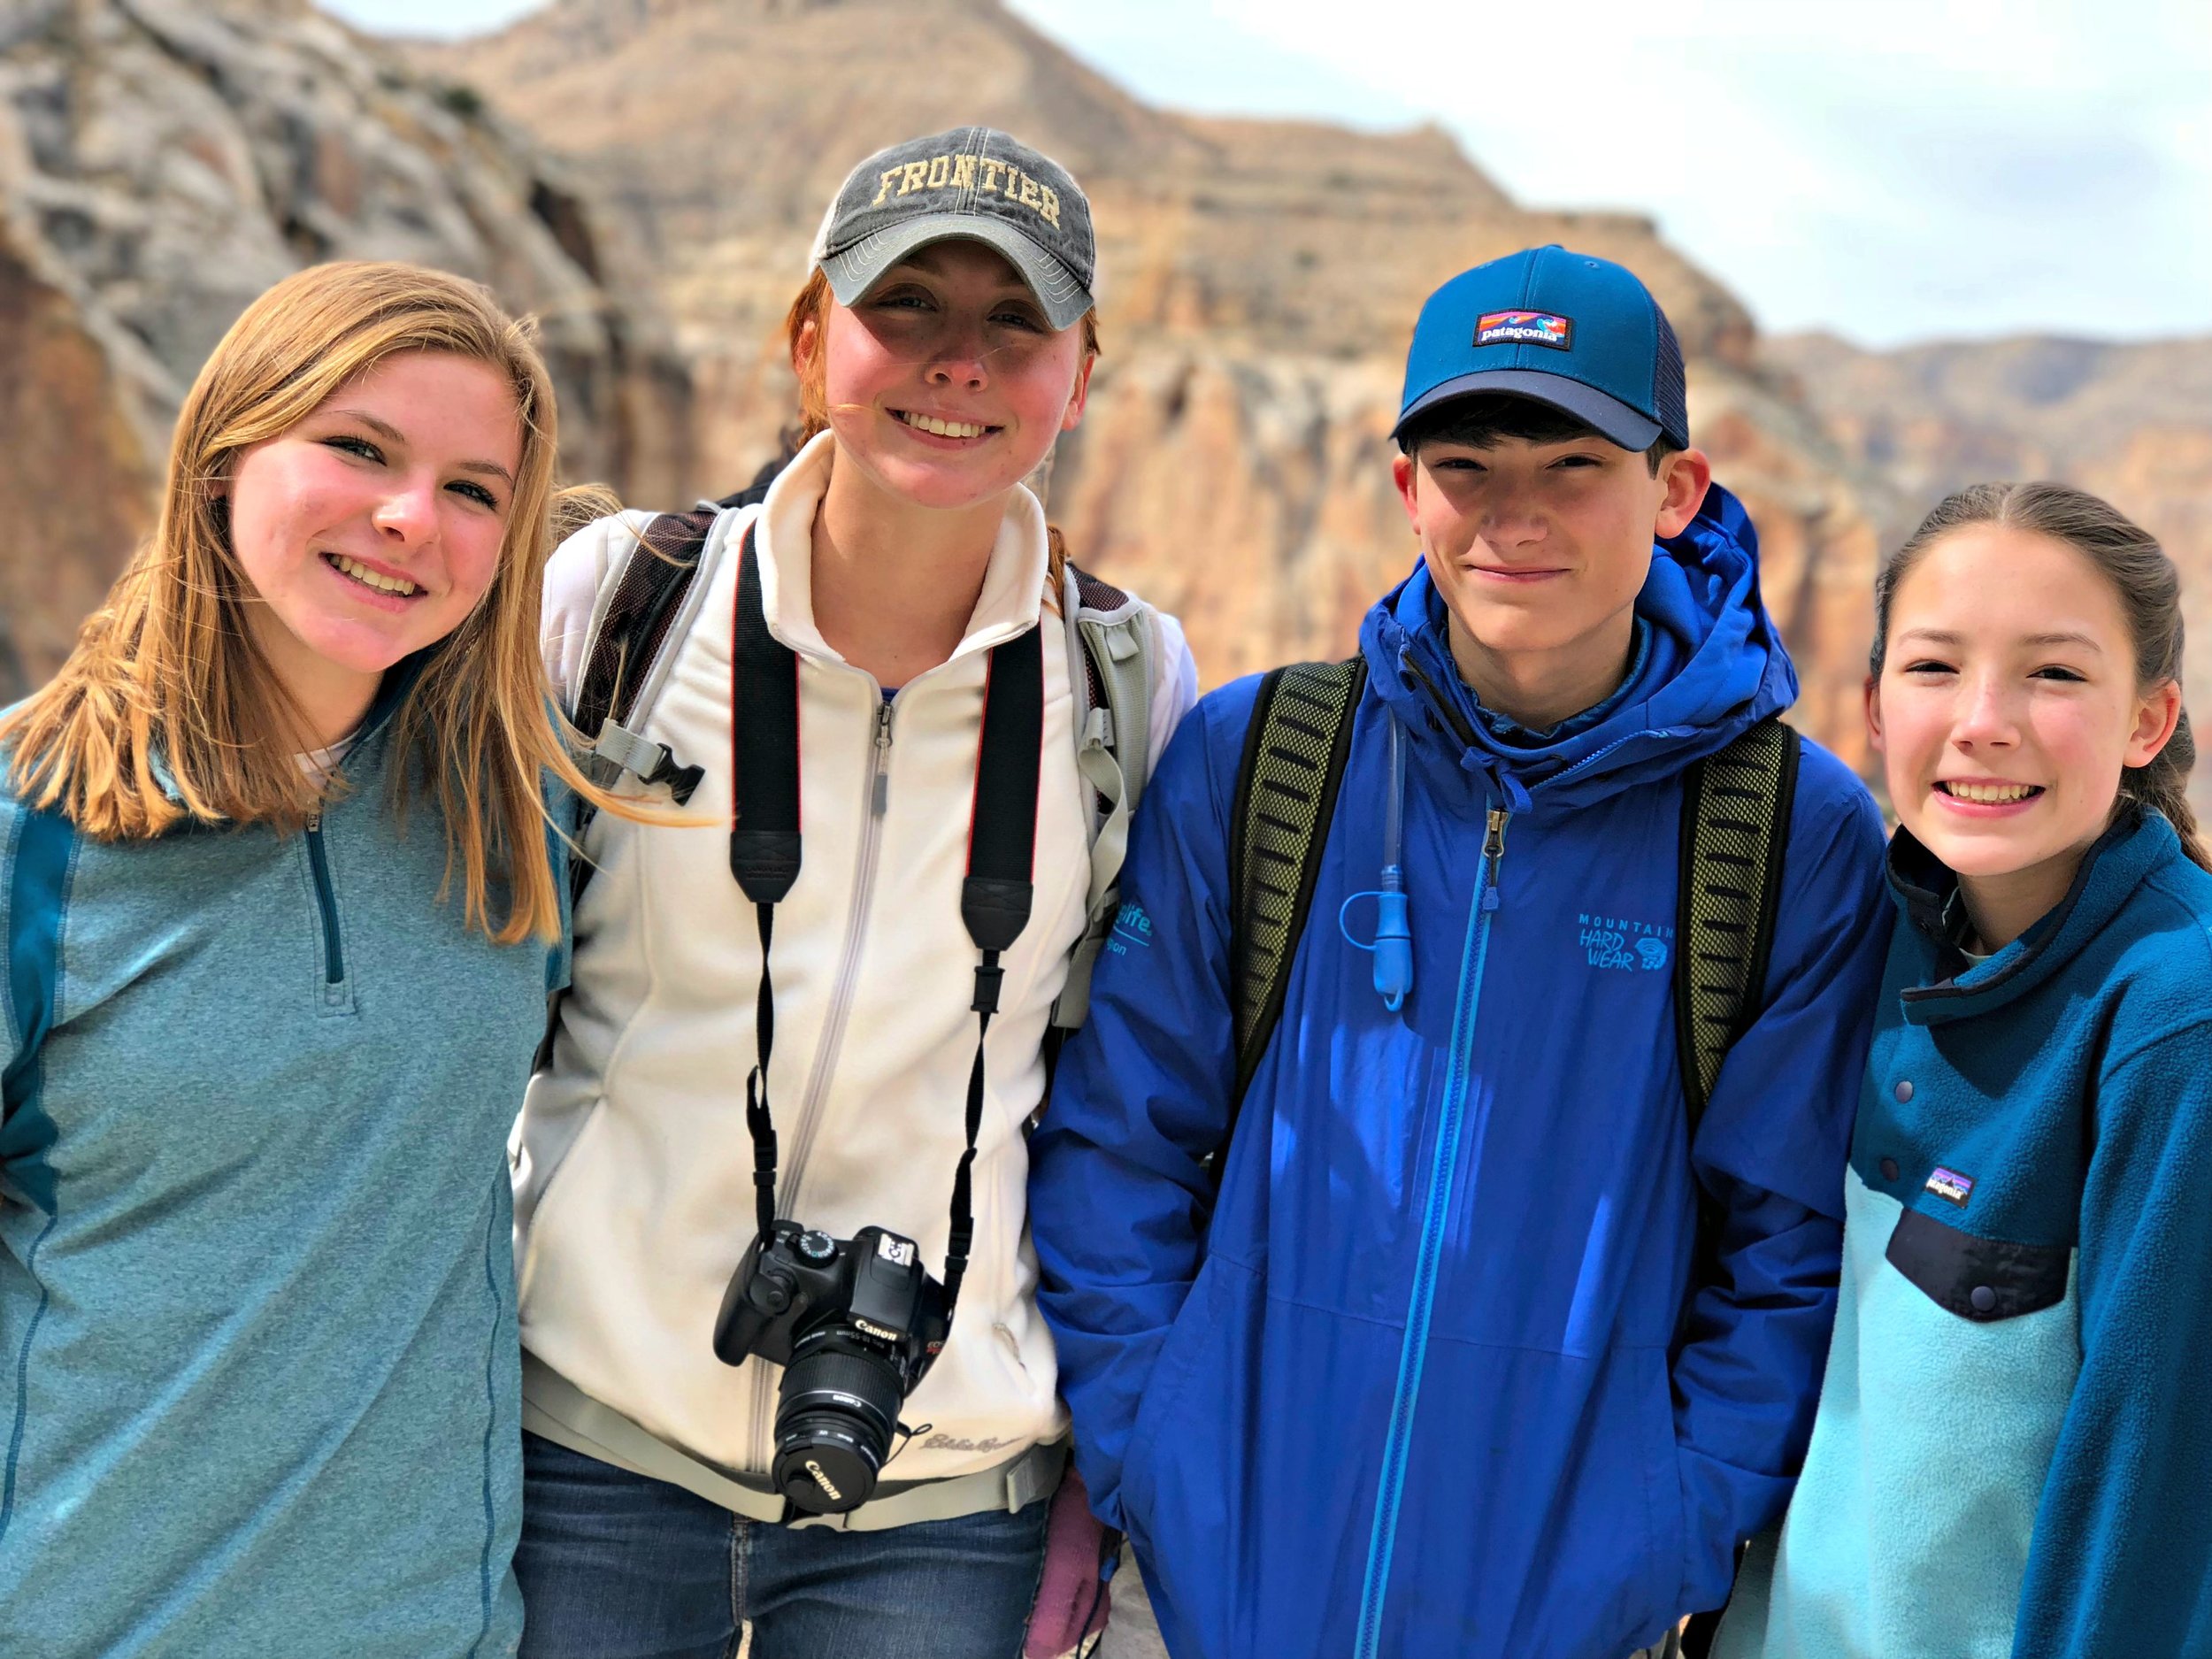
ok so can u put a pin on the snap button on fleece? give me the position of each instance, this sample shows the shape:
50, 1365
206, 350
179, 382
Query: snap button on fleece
1903, 1091
1983, 1298
1889, 1169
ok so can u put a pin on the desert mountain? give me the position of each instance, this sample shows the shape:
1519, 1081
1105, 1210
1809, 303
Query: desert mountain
646, 175
161, 163
1259, 279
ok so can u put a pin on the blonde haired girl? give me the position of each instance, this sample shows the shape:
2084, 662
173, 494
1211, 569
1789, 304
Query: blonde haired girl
263, 1026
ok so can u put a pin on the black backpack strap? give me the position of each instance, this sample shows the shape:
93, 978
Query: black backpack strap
1295, 751
1735, 829
633, 631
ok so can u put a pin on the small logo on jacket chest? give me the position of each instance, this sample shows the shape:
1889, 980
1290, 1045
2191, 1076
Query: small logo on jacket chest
1619, 942
1952, 1187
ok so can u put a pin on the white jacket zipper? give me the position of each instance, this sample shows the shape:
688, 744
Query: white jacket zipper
874, 801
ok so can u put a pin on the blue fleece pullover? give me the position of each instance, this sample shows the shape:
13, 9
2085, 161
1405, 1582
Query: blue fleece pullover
2012, 1455
1429, 1385
260, 1377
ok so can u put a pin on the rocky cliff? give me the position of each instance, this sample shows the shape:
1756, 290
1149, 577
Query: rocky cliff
646, 176
161, 163
1259, 283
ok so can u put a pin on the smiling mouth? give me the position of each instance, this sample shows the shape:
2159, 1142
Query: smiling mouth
1990, 794
942, 428
353, 570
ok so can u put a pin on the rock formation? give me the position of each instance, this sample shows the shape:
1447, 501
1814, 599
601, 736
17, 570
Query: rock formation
161, 163
1259, 283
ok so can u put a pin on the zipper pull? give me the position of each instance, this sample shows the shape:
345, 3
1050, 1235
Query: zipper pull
881, 800
1492, 854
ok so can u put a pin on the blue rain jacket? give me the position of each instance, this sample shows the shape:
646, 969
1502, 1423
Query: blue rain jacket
1437, 1379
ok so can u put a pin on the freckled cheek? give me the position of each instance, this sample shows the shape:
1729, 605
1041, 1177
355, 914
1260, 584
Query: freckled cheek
857, 370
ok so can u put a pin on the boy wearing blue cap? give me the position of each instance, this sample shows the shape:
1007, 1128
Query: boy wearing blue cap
1468, 1295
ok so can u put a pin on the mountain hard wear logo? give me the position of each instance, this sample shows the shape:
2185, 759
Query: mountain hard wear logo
1614, 942
1525, 328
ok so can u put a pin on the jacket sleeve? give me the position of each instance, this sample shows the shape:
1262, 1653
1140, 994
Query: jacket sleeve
2121, 1562
1770, 1152
1118, 1194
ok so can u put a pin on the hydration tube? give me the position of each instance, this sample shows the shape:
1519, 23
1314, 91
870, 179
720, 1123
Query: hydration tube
1393, 947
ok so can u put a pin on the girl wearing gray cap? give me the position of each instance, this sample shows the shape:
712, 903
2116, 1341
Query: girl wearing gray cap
784, 1366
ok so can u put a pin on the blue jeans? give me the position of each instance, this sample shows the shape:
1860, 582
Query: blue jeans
614, 1565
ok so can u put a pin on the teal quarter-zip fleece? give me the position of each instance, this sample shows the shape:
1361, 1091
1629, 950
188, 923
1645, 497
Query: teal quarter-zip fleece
259, 1381
2013, 1452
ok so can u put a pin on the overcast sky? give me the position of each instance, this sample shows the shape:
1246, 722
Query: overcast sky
1895, 170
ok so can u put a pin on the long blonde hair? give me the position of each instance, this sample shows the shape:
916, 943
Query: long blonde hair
167, 674
812, 305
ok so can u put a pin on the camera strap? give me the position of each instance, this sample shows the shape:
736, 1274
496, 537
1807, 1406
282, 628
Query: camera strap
764, 853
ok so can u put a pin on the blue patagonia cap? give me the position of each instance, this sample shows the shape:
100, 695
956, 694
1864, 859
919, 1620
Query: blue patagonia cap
1580, 333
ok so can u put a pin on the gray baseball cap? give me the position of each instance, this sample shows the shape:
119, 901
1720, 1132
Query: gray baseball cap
971, 182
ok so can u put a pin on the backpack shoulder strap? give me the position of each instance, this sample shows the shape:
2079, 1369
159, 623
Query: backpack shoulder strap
1113, 647
647, 603
1295, 752
1735, 829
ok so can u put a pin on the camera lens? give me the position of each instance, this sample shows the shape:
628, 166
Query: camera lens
839, 1410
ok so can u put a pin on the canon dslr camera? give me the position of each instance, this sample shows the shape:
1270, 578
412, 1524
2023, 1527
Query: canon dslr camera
856, 1323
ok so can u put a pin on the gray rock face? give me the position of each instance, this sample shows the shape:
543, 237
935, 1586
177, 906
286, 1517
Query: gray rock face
163, 161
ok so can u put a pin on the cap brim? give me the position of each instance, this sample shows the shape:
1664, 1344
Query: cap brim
1615, 419
853, 272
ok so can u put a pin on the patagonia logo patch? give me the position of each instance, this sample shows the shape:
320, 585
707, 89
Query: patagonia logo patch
1525, 328
1951, 1187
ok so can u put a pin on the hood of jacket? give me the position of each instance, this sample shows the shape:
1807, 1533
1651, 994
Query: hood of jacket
1709, 662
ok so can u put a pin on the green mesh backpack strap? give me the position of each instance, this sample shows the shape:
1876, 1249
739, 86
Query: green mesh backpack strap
1295, 751
1735, 828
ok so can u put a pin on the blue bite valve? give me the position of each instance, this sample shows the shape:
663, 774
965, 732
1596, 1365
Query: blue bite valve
1393, 941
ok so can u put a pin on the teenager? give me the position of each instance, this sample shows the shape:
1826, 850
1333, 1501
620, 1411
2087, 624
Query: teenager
1434, 1370
276, 891
900, 576
2014, 1445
